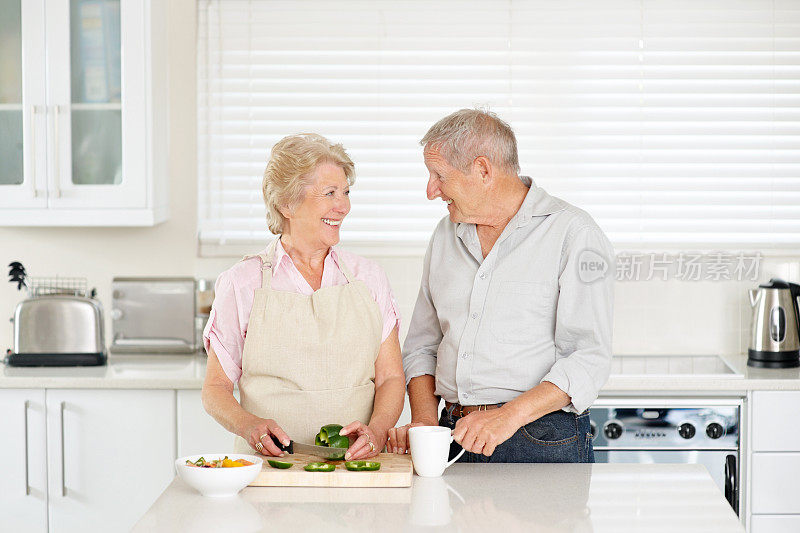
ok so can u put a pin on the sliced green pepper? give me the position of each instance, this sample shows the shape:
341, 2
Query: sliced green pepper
279, 464
319, 467
362, 466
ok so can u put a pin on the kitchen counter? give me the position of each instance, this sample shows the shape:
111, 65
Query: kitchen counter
746, 379
469, 497
134, 371
187, 372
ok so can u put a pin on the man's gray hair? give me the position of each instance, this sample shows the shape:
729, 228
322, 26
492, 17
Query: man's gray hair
469, 133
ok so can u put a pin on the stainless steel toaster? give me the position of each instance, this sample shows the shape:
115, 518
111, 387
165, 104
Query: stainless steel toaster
58, 330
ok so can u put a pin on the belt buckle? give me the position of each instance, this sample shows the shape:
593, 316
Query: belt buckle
451, 410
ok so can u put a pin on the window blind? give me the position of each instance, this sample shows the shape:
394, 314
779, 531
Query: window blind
675, 123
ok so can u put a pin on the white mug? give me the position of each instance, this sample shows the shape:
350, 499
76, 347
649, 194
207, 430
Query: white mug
430, 446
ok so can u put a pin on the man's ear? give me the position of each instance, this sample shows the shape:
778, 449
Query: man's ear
484, 168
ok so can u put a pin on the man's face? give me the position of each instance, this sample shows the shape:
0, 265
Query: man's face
455, 188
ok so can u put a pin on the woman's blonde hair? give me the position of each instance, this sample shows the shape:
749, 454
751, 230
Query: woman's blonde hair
289, 172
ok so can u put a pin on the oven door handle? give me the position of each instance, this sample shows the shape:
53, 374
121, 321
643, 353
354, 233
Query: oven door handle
732, 483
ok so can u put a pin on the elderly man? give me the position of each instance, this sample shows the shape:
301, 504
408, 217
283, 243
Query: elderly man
512, 325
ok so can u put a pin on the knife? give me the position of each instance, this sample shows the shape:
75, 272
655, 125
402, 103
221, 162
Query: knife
320, 451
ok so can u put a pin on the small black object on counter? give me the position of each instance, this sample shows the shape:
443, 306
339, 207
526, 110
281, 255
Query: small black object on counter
17, 274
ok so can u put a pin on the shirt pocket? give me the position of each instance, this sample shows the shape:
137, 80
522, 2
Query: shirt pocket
521, 311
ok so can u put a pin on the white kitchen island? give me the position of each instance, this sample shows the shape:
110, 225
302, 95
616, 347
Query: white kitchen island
506, 498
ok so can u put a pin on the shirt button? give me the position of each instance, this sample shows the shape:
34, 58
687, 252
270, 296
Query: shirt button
464, 355
474, 315
482, 275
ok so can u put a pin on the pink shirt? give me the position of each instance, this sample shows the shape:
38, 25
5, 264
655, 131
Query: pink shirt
235, 289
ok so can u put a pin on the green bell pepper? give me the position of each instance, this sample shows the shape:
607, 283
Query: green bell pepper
319, 467
362, 466
339, 441
329, 436
329, 431
279, 464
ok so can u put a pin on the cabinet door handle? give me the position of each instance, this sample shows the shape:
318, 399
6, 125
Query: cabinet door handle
34, 110
63, 456
27, 481
57, 109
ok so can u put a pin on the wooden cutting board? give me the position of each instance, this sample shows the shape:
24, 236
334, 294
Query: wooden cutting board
396, 471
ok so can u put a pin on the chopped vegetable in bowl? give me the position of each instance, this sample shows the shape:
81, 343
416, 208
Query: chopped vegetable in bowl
218, 463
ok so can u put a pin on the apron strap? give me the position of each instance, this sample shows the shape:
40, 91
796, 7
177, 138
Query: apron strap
267, 259
346, 271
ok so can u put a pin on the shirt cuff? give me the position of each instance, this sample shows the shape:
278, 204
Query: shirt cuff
420, 365
574, 381
228, 366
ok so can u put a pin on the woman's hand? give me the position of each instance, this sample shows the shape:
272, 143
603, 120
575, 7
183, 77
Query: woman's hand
364, 435
259, 433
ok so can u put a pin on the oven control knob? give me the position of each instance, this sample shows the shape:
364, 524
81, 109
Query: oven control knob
686, 431
613, 430
714, 430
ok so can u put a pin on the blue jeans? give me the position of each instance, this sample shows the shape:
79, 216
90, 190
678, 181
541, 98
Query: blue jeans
557, 437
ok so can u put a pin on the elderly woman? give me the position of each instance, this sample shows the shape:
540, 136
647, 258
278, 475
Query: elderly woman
309, 331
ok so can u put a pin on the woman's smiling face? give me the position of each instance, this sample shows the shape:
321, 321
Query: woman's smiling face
318, 218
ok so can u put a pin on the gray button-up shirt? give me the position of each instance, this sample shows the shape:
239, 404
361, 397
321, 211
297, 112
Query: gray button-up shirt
538, 308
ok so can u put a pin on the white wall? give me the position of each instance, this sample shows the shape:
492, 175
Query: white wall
650, 317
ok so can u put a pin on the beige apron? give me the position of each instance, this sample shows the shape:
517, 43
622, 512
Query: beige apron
309, 360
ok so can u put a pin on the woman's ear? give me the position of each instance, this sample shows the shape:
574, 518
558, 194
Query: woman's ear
285, 211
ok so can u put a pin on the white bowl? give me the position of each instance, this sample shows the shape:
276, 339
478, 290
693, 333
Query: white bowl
218, 482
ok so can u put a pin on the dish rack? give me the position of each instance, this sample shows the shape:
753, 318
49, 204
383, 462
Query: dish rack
58, 285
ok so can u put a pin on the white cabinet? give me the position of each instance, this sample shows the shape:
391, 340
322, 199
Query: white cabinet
83, 131
775, 462
197, 431
775, 483
23, 482
775, 425
83, 460
775, 524
110, 454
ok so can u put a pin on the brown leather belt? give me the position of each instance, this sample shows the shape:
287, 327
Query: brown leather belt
458, 410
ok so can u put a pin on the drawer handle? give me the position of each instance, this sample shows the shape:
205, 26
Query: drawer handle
27, 481
63, 456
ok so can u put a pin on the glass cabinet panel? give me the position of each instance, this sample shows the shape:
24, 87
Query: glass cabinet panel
96, 84
11, 149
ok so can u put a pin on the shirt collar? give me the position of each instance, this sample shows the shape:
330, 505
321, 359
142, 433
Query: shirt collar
537, 203
281, 255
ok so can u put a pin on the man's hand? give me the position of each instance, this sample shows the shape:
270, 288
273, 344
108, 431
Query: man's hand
482, 431
398, 441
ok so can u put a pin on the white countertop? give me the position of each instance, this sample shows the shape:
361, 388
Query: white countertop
187, 372
555, 498
139, 371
